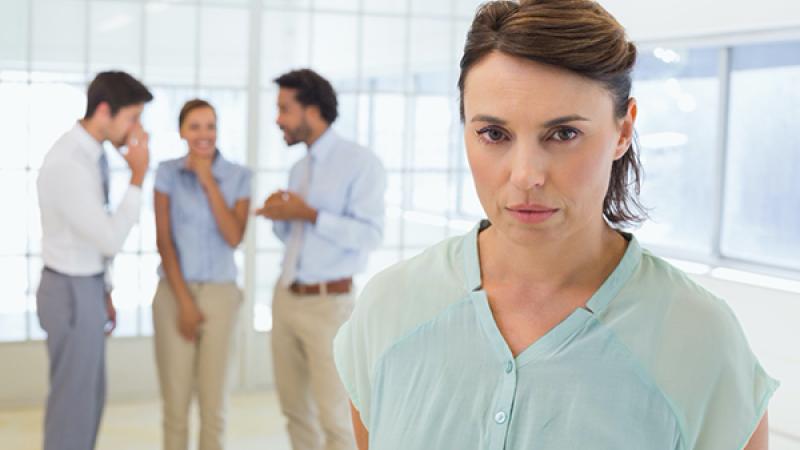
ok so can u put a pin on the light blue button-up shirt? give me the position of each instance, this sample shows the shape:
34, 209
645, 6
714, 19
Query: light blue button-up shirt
347, 189
654, 362
203, 254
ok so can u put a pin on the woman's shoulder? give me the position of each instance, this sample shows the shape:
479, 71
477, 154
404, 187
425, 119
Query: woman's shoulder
239, 168
232, 169
691, 346
661, 307
412, 292
682, 334
171, 165
675, 290
167, 172
436, 272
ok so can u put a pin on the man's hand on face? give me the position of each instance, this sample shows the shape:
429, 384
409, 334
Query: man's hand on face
138, 154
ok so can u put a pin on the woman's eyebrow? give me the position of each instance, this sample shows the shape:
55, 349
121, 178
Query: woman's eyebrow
564, 119
487, 118
548, 124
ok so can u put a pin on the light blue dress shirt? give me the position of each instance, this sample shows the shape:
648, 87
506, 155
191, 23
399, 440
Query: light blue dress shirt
203, 254
654, 363
347, 189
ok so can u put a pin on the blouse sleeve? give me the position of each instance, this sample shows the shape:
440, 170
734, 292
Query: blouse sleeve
738, 393
243, 189
352, 354
164, 179
725, 391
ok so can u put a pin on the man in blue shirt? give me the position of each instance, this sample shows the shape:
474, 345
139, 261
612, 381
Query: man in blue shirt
330, 218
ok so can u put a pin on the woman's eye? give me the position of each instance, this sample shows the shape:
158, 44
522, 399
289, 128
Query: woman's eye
491, 135
565, 134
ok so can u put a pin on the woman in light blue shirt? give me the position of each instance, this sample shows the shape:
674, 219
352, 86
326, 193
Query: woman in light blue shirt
547, 327
201, 205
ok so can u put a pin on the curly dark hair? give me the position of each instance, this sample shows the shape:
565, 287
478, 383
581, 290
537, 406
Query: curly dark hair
312, 89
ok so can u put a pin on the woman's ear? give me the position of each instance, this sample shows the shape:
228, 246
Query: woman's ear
626, 130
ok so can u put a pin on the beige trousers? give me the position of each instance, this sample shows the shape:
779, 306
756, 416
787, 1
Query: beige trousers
202, 367
311, 395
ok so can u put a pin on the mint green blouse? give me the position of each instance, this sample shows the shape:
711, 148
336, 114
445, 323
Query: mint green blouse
654, 362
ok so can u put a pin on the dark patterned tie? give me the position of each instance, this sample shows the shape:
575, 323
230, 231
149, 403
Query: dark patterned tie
105, 176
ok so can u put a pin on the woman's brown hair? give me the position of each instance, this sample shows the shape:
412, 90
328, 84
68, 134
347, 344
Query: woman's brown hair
190, 106
581, 37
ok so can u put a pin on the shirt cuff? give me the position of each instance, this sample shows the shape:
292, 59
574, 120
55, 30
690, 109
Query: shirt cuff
107, 279
132, 201
137, 190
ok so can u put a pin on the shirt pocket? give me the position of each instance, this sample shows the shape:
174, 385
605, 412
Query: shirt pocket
330, 194
190, 210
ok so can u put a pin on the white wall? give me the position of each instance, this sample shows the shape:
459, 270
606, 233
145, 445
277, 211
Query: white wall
131, 370
650, 20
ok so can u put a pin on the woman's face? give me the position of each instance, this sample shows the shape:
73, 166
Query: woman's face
540, 141
199, 129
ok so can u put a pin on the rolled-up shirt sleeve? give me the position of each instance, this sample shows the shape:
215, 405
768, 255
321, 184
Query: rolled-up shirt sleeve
106, 232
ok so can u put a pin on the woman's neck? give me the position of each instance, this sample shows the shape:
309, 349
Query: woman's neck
583, 258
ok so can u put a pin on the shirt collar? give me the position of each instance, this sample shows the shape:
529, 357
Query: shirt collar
472, 264
88, 144
322, 147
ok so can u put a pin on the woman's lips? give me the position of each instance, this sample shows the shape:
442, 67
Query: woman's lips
531, 213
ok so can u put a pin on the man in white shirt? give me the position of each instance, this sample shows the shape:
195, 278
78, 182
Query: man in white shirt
80, 236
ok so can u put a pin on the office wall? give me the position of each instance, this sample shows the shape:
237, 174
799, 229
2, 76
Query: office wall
669, 19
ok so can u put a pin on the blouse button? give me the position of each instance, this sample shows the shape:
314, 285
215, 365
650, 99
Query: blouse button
500, 417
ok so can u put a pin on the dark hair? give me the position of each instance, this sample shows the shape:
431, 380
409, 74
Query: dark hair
190, 106
581, 37
118, 89
312, 89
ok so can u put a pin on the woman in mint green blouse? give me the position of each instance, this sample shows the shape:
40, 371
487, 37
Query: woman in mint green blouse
547, 327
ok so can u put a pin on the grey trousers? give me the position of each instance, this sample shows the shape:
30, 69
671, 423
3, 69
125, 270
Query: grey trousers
72, 311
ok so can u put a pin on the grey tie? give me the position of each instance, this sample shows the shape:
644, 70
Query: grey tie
104, 174
295, 242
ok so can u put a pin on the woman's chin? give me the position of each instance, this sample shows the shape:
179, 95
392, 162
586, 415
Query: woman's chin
202, 153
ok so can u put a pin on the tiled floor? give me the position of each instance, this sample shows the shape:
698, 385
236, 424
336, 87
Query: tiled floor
255, 423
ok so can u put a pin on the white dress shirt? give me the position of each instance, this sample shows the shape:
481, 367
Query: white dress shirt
79, 236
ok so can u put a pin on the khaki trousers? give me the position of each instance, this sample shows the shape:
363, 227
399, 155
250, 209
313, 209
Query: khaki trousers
311, 395
202, 367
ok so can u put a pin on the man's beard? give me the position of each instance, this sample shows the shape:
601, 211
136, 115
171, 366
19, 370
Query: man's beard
299, 134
